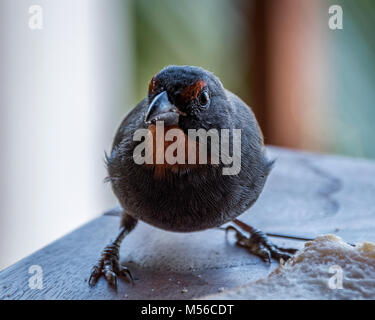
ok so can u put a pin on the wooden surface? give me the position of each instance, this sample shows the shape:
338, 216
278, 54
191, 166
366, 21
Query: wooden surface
306, 195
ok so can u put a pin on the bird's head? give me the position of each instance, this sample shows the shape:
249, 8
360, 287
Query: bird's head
187, 97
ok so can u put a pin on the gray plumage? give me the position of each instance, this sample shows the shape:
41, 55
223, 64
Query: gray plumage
198, 198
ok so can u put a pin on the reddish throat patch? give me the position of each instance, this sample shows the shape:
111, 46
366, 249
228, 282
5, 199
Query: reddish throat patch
160, 146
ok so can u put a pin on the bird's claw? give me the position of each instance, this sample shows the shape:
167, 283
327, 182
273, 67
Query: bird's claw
109, 267
259, 245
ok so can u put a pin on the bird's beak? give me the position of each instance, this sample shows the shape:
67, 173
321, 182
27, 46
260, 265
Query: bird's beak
161, 109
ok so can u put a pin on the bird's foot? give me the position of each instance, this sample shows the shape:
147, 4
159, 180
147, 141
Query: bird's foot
109, 266
259, 245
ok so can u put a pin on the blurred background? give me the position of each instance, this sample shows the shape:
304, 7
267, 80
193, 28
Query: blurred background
65, 87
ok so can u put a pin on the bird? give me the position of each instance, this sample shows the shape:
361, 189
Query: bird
183, 196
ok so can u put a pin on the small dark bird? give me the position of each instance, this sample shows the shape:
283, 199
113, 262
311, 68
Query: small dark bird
187, 197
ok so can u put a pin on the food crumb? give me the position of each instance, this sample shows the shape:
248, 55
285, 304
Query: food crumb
302, 276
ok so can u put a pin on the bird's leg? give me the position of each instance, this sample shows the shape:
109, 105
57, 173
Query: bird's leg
109, 263
258, 243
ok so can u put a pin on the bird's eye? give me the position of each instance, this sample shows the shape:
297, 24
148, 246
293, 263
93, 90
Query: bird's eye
204, 98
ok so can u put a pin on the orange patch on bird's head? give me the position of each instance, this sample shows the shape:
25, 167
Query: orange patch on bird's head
152, 85
191, 92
